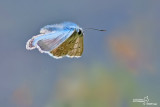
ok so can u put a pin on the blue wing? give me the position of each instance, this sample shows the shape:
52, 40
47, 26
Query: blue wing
49, 41
56, 27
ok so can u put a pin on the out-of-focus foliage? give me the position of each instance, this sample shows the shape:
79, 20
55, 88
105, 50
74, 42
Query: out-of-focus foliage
97, 86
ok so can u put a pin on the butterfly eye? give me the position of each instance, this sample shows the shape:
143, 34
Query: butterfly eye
79, 32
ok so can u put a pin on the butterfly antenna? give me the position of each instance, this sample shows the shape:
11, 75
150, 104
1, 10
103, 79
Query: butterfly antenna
95, 29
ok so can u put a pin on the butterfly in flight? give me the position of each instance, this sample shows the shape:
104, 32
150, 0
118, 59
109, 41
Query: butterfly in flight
59, 40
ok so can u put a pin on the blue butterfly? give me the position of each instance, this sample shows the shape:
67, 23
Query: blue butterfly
59, 40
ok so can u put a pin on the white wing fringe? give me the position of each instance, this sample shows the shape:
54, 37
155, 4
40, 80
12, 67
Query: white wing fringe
29, 45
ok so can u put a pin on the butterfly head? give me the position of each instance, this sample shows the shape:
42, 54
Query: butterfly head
79, 31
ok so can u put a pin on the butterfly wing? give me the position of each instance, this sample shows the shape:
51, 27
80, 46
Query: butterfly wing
77, 49
49, 41
72, 47
51, 28
55, 27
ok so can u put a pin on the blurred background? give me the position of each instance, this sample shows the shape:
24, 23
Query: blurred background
116, 67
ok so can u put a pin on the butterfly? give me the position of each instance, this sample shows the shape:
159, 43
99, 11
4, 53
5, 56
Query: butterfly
58, 40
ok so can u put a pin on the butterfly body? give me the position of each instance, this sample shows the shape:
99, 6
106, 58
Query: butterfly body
59, 40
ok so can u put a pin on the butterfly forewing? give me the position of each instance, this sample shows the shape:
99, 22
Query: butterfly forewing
72, 47
77, 49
